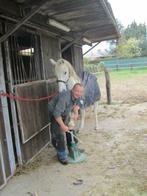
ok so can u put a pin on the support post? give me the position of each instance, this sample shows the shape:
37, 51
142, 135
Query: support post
108, 85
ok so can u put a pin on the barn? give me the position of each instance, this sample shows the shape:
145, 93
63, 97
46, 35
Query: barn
32, 32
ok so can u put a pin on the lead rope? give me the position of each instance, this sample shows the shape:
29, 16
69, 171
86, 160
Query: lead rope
16, 98
75, 137
13, 97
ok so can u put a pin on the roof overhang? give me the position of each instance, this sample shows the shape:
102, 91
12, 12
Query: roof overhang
92, 19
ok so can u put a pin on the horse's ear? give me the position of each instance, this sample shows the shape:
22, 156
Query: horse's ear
53, 62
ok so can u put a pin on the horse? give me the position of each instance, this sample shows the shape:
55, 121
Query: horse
67, 78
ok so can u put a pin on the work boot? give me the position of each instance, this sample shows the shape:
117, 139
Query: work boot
62, 157
63, 161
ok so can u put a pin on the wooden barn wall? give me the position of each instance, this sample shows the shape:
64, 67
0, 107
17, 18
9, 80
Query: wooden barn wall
67, 54
50, 49
77, 59
3, 143
33, 116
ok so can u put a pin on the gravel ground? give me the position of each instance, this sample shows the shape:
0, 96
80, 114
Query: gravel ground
116, 162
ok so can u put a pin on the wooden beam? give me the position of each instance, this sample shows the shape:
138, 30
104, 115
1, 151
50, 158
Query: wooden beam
108, 85
72, 42
91, 48
36, 27
23, 20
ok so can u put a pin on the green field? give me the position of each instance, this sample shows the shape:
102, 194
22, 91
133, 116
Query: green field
126, 73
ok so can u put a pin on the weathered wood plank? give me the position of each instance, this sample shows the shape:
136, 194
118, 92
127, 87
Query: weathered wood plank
12, 103
4, 144
6, 119
33, 115
35, 145
77, 59
2, 169
50, 49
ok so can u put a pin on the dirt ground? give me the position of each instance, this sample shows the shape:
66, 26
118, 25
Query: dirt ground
116, 162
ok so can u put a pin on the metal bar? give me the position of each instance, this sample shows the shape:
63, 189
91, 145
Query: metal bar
14, 76
22, 21
91, 48
16, 62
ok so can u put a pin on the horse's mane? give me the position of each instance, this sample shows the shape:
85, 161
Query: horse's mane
72, 71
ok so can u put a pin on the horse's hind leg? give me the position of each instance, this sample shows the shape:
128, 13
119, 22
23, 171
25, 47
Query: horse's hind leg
82, 120
95, 114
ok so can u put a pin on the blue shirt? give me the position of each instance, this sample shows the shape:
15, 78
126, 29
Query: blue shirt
62, 104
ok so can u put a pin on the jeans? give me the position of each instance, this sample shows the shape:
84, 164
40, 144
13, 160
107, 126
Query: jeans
58, 139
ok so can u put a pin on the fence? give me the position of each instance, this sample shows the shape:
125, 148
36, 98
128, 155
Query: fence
140, 62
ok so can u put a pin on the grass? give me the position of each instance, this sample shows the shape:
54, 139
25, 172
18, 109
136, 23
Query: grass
126, 73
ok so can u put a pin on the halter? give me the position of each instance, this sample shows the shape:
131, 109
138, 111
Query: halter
65, 82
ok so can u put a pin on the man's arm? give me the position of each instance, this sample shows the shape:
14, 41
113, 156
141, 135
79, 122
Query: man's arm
76, 112
61, 124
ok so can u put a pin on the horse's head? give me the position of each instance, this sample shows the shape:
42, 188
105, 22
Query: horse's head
62, 73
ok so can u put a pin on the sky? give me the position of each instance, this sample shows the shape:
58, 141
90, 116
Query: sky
126, 11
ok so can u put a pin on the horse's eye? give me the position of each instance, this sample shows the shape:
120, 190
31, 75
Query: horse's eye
65, 72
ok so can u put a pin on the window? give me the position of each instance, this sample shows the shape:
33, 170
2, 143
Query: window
25, 57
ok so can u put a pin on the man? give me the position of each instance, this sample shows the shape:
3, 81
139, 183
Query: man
60, 108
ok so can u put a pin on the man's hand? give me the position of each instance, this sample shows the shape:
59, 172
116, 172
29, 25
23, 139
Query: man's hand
61, 123
65, 128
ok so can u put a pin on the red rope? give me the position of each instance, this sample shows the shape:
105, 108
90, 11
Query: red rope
14, 97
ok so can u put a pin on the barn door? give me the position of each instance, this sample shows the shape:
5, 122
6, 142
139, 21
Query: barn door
33, 119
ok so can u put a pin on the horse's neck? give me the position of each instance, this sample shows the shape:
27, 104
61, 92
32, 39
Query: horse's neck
72, 81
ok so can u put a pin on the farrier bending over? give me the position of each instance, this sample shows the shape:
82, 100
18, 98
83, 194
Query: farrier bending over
60, 108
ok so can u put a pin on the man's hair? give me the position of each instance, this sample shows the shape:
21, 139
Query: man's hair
77, 84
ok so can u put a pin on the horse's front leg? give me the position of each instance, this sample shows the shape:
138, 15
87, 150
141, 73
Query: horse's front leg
95, 114
82, 120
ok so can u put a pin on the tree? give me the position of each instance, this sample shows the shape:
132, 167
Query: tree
135, 31
139, 32
129, 48
133, 41
113, 43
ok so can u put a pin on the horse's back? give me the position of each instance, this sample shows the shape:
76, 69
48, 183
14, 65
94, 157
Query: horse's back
91, 86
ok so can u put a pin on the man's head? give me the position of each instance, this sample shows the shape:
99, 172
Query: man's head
77, 90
